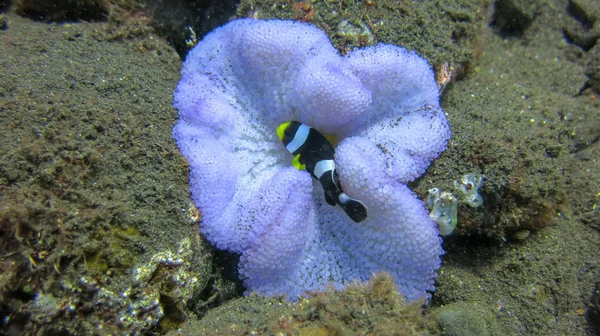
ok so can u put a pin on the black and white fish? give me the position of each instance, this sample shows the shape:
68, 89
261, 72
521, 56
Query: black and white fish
314, 153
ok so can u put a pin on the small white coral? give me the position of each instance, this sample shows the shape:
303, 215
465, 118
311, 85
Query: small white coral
469, 189
443, 210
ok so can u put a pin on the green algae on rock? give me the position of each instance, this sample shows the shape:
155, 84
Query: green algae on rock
375, 308
466, 319
86, 136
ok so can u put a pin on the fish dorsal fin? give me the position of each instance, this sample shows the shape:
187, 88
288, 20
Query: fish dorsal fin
281, 129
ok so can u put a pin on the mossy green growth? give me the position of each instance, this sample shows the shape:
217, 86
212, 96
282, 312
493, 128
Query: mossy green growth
375, 308
90, 178
466, 319
96, 262
113, 249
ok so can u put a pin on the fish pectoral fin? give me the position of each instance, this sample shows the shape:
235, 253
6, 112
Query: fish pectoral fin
354, 208
296, 163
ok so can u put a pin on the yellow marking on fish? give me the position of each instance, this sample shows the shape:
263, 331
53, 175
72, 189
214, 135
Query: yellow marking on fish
332, 138
296, 163
281, 129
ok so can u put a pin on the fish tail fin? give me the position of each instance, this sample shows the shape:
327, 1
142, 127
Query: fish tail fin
354, 208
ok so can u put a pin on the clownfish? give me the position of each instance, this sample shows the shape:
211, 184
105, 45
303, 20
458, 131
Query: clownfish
314, 153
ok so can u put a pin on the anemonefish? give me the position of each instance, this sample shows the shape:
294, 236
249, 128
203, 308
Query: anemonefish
314, 153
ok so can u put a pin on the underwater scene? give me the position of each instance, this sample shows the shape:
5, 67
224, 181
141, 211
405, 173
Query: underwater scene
318, 167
